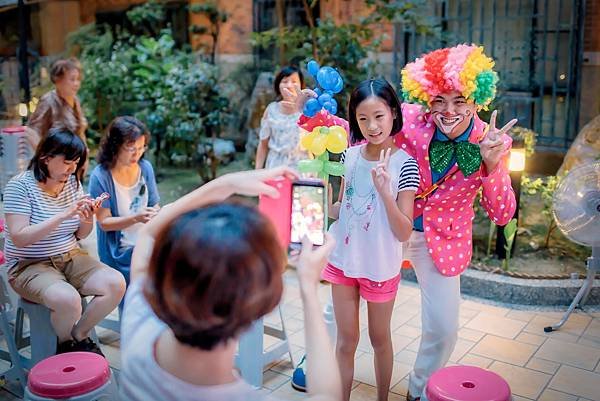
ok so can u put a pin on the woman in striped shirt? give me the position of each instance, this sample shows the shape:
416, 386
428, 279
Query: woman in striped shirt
46, 213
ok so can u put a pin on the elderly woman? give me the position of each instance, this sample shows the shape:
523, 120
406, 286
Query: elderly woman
46, 213
59, 108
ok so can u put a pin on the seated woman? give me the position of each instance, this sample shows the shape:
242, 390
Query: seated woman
201, 273
46, 213
129, 180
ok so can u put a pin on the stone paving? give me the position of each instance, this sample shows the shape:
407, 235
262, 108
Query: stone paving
558, 366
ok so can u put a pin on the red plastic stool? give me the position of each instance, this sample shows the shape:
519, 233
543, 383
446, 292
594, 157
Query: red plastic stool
74, 376
466, 383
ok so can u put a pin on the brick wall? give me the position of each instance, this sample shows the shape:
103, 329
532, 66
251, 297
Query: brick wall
234, 38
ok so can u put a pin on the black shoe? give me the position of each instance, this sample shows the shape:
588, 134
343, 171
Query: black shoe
66, 346
88, 345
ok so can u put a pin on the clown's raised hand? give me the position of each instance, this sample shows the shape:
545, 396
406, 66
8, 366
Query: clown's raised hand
492, 147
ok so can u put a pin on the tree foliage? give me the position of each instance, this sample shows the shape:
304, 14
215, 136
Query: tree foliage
177, 96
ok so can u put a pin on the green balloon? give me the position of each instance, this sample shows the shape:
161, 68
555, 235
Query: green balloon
334, 168
324, 157
310, 166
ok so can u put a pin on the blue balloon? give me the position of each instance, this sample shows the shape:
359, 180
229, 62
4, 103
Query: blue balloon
333, 108
313, 68
318, 91
324, 98
327, 77
308, 112
333, 102
328, 106
311, 107
339, 85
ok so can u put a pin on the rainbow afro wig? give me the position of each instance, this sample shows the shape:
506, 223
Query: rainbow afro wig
463, 68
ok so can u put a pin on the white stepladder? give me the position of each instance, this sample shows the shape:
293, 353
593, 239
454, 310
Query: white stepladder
251, 358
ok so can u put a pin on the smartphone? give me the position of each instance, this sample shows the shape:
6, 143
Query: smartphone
308, 212
98, 201
278, 210
103, 196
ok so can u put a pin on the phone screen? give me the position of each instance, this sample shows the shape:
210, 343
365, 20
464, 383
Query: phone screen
308, 213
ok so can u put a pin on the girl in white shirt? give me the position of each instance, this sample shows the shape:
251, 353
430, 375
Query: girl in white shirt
374, 216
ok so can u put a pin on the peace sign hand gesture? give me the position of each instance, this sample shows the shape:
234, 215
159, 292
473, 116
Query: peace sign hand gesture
381, 174
492, 146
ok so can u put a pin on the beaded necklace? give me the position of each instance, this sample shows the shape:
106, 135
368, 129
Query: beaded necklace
362, 210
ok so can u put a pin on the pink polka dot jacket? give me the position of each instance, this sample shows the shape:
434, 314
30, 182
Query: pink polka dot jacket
448, 212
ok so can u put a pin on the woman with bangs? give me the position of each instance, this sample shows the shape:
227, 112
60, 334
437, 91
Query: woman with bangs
46, 214
128, 178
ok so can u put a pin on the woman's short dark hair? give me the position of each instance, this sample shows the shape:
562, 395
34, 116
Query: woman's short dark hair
377, 87
60, 67
58, 142
284, 73
213, 272
121, 130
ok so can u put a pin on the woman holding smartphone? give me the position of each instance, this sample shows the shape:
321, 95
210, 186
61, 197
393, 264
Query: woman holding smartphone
46, 214
129, 180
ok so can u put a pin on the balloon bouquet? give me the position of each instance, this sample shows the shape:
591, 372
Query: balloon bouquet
322, 140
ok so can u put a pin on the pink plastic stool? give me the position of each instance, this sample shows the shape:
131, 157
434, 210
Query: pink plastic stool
466, 383
81, 376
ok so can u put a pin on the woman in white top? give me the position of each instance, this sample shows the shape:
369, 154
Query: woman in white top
279, 133
129, 180
202, 272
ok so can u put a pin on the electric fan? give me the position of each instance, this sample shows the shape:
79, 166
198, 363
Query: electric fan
576, 209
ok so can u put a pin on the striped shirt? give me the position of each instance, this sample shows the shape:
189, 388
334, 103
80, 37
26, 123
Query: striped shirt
409, 174
24, 196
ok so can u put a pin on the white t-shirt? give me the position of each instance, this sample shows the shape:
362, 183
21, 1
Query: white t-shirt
365, 244
142, 379
131, 200
24, 196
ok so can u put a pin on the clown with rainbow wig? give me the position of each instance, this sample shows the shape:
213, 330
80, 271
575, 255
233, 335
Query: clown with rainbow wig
457, 154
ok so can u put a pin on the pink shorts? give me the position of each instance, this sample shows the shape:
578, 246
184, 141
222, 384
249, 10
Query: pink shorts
371, 291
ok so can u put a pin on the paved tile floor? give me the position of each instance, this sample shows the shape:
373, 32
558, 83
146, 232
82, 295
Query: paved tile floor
559, 366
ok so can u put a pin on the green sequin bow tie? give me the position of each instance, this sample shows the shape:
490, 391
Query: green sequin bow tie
467, 154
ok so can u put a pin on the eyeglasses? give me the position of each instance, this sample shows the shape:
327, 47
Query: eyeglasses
133, 149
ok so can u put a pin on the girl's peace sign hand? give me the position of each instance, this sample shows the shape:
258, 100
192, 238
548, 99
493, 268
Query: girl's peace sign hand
492, 146
380, 173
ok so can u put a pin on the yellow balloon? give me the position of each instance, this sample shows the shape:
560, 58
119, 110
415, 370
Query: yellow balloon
307, 140
318, 145
337, 141
337, 128
317, 130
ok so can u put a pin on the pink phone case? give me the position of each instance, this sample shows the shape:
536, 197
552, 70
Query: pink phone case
279, 210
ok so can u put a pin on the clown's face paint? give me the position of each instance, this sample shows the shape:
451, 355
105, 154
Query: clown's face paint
452, 113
